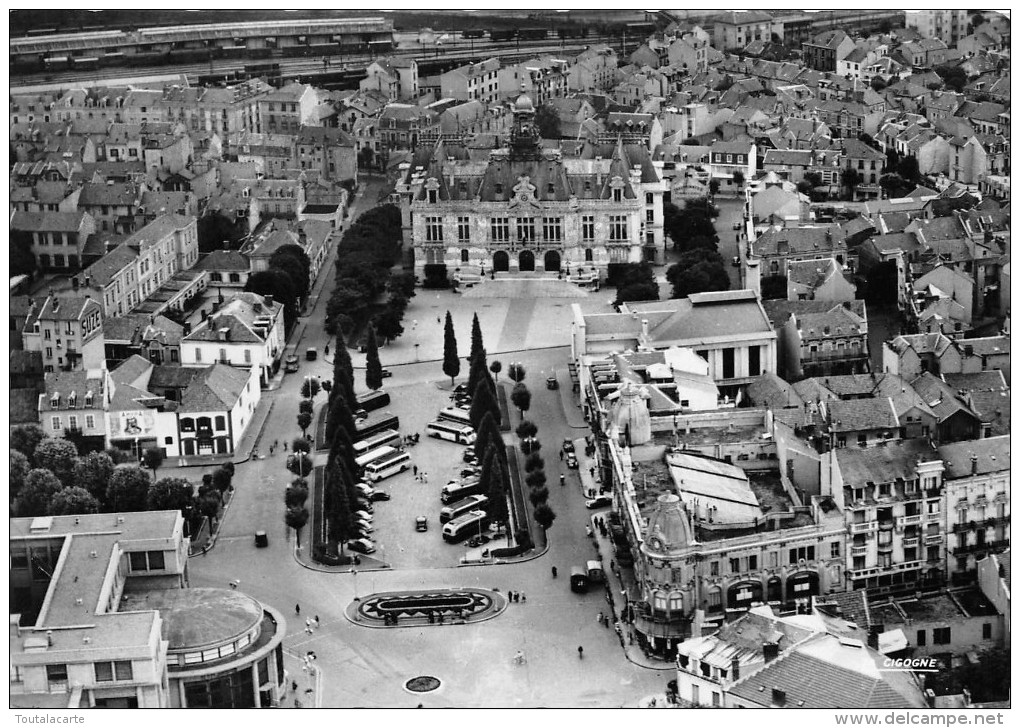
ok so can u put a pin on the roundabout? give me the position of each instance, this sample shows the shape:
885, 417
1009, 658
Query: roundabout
433, 607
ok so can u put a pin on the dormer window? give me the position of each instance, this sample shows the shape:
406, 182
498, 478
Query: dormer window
499, 188
55, 401
617, 195
88, 399
72, 399
433, 196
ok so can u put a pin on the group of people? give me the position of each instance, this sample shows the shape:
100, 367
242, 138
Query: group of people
600, 524
512, 596
421, 476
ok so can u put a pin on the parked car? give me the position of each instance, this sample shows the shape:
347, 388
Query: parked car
364, 515
568, 445
291, 363
572, 461
476, 541
737, 225
469, 454
361, 545
386, 374
599, 501
379, 495
421, 523
311, 353
552, 383
469, 472
364, 528
736, 261
261, 539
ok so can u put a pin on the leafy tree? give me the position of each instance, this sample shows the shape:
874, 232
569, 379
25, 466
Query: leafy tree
851, 178
153, 458
20, 468
301, 444
908, 168
296, 518
306, 405
296, 494
516, 372
538, 496
37, 492
878, 83
300, 464
882, 283
276, 283
209, 504
893, 184
73, 501
216, 231
304, 421
170, 494
387, 324
954, 77
713, 187
637, 292
93, 473
58, 456
294, 261
702, 277
451, 361
26, 438
814, 179
526, 429
21, 257
738, 178
548, 122
521, 397
534, 461
773, 288
544, 516
403, 283
222, 480
536, 478
483, 403
309, 388
119, 457
373, 369
496, 367
694, 220
530, 446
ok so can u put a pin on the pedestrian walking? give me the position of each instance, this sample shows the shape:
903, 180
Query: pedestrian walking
326, 350
524, 598
563, 479
599, 617
316, 620
270, 450
509, 596
293, 685
605, 622
297, 609
425, 478
285, 446
415, 471
561, 453
580, 652
587, 530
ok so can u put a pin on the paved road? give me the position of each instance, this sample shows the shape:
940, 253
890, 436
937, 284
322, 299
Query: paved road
730, 211
368, 667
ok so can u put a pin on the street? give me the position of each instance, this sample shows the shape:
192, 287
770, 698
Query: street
368, 667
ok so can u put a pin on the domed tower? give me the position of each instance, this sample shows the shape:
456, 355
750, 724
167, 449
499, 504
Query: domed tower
524, 137
665, 578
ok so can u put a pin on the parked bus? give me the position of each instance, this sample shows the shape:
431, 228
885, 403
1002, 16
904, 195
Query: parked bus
455, 491
455, 414
458, 509
377, 470
386, 437
470, 524
373, 400
375, 423
452, 431
372, 455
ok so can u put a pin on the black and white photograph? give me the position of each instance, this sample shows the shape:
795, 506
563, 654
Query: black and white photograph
495, 359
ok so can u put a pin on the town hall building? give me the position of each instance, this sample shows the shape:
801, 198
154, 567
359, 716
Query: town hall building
527, 209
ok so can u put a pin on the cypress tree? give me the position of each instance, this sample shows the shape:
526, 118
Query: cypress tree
339, 415
373, 369
488, 433
482, 403
340, 521
476, 337
451, 362
479, 372
497, 487
343, 373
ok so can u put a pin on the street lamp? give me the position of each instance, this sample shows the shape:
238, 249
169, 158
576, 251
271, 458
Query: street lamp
416, 352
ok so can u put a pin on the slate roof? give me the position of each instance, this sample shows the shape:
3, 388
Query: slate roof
883, 464
47, 221
779, 310
770, 390
794, 241
851, 606
813, 273
837, 321
856, 415
159, 229
704, 316
990, 381
827, 673
103, 271
224, 260
23, 406
26, 363
992, 455
216, 389
943, 399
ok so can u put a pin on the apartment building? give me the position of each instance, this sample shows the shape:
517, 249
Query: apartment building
68, 330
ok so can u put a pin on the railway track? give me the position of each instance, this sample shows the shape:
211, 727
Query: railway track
291, 68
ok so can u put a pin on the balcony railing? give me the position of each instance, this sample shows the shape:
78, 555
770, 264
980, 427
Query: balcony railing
933, 540
909, 520
858, 550
974, 525
911, 542
980, 547
864, 527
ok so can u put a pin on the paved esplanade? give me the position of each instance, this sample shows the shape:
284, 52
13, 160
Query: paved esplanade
475, 661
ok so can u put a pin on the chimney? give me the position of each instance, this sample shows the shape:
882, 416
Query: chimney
735, 669
873, 632
752, 277
973, 464
269, 301
778, 697
770, 650
644, 329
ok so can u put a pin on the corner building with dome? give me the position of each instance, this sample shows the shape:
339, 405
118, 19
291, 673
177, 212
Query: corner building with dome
524, 208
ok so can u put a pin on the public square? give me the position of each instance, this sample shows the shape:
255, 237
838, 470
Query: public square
364, 667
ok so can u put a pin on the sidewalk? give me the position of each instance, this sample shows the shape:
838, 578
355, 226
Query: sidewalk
243, 452
620, 584
309, 682
571, 401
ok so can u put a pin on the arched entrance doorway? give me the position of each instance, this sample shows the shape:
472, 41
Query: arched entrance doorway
552, 260
526, 260
775, 589
801, 587
742, 595
500, 261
